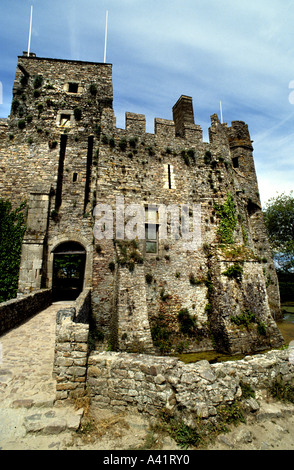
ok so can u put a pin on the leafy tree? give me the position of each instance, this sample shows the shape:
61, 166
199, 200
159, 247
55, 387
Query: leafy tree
12, 229
68, 266
279, 220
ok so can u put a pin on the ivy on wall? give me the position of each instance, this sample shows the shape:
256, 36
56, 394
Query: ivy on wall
12, 229
228, 220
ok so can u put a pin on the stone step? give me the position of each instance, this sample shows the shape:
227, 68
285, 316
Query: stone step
274, 410
52, 420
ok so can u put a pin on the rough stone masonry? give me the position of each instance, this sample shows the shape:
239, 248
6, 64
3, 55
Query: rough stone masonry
60, 150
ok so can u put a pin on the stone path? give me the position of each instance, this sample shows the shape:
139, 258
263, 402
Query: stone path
27, 387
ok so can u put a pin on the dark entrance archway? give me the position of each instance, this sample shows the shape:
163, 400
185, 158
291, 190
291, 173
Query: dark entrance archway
69, 261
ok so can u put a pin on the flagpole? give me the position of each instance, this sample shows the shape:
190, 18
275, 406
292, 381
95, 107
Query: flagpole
221, 110
30, 32
105, 45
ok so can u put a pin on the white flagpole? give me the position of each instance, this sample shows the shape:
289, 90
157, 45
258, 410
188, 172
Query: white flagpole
30, 32
221, 110
105, 45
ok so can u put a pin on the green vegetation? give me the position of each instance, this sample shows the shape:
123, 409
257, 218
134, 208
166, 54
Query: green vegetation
161, 335
188, 156
12, 229
228, 220
187, 322
123, 145
234, 272
129, 254
21, 124
196, 282
207, 157
38, 81
282, 391
279, 221
203, 431
93, 89
247, 319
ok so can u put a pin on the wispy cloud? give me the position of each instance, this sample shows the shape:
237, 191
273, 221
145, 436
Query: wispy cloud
238, 52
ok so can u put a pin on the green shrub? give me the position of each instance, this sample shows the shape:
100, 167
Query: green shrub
245, 319
161, 335
207, 157
282, 391
133, 142
14, 105
123, 145
187, 322
38, 81
93, 89
12, 229
21, 124
234, 272
228, 220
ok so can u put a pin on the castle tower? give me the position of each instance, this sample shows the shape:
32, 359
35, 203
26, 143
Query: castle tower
61, 151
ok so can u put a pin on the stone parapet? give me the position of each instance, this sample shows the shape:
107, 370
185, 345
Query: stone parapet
16, 311
71, 349
150, 384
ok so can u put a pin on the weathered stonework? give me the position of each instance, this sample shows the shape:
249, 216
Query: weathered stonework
61, 151
71, 348
151, 384
16, 311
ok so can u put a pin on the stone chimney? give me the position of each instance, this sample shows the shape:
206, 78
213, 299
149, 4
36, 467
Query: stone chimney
183, 114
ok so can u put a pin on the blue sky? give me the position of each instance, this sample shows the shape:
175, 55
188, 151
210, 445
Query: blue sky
239, 53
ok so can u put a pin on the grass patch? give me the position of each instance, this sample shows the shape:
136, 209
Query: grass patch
202, 432
282, 391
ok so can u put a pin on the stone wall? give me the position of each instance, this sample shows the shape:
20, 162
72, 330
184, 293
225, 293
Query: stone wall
61, 149
71, 348
16, 311
150, 384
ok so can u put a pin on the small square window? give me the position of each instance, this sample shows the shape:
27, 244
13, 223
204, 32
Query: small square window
65, 120
73, 87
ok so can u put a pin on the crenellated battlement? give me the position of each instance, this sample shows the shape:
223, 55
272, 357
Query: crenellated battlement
62, 138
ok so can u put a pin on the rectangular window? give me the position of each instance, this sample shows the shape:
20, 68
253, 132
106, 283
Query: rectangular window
151, 229
65, 120
169, 178
236, 162
73, 87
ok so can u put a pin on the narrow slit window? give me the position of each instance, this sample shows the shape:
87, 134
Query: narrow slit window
169, 177
74, 177
151, 229
58, 198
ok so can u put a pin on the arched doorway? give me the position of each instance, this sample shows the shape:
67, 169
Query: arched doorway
69, 259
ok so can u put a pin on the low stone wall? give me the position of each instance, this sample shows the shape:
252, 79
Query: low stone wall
149, 384
16, 311
71, 348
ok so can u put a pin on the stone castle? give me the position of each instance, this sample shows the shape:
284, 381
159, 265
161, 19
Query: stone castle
60, 150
